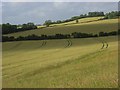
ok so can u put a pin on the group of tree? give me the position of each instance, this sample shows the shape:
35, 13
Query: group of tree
59, 36
95, 14
110, 15
8, 28
90, 14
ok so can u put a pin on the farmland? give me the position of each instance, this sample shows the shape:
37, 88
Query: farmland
86, 27
63, 63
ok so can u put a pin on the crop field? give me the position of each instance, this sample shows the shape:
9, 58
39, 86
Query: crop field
82, 20
64, 63
86, 25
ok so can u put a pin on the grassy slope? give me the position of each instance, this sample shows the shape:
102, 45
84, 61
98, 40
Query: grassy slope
58, 63
83, 20
103, 25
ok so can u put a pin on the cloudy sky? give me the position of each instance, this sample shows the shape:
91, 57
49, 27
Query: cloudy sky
38, 12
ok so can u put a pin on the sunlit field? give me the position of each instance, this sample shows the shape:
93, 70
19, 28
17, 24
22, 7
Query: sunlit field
66, 63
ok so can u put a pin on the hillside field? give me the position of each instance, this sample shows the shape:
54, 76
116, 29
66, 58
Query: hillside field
63, 63
66, 63
83, 26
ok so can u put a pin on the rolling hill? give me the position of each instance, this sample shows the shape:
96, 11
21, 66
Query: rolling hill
63, 63
87, 27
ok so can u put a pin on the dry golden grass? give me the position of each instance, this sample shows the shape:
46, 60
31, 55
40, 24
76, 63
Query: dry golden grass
57, 64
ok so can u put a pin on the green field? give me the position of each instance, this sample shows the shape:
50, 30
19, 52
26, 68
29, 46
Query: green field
70, 63
63, 63
87, 27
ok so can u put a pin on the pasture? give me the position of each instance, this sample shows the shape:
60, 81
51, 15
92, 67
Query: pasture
65, 63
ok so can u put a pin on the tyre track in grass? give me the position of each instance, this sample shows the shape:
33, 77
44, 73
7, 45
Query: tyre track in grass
104, 43
107, 44
51, 67
43, 44
69, 43
20, 43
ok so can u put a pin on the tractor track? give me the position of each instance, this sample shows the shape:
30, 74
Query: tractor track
104, 44
43, 44
69, 43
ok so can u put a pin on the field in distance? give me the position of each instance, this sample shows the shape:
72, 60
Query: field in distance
66, 63
85, 25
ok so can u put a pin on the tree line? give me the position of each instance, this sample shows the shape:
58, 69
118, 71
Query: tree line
8, 28
110, 15
59, 36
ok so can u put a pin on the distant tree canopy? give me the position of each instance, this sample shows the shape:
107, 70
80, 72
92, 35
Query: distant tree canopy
112, 15
95, 14
90, 14
60, 36
8, 28
28, 26
48, 22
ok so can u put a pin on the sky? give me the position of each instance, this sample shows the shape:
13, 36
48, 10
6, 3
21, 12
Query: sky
38, 12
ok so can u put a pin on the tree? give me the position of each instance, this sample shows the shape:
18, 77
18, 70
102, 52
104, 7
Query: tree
8, 28
47, 23
112, 15
59, 21
29, 26
77, 21
94, 14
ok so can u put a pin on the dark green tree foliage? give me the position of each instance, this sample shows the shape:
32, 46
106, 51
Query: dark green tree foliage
59, 21
8, 28
112, 15
95, 14
60, 36
6, 38
28, 26
48, 22
77, 21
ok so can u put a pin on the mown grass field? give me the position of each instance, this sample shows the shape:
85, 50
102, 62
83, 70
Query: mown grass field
83, 26
66, 63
